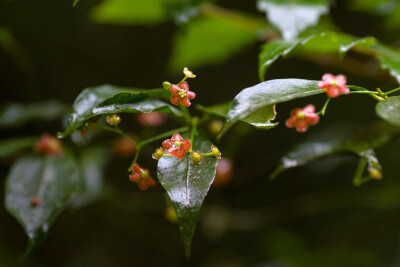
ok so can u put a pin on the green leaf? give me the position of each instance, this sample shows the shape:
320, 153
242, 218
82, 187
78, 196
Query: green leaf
75, 3
10, 146
389, 59
260, 119
325, 144
320, 43
292, 17
54, 180
389, 110
14, 115
258, 97
130, 12
187, 185
110, 99
93, 162
228, 36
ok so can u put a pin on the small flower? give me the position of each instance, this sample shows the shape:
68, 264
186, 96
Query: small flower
152, 119
224, 172
181, 94
113, 119
196, 157
334, 86
141, 177
215, 152
124, 147
176, 146
158, 154
188, 73
49, 145
35, 201
302, 118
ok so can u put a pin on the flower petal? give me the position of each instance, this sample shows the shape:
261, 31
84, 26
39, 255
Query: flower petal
186, 145
174, 89
176, 137
175, 99
184, 86
191, 94
185, 101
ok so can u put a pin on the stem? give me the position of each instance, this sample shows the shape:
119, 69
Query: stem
118, 131
207, 154
361, 90
357, 180
139, 145
184, 79
195, 120
325, 106
392, 91
186, 113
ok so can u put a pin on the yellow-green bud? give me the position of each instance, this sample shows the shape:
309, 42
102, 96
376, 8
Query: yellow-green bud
215, 151
166, 85
158, 154
196, 157
113, 119
375, 173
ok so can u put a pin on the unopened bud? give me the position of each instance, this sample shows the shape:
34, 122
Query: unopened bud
113, 119
375, 173
215, 152
166, 85
158, 154
196, 157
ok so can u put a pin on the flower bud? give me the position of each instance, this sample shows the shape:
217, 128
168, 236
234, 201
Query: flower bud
113, 119
215, 152
188, 73
375, 173
158, 154
166, 85
196, 157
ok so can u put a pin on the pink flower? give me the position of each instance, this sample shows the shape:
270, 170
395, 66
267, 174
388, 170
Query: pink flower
152, 119
181, 94
49, 145
302, 118
141, 177
176, 146
334, 86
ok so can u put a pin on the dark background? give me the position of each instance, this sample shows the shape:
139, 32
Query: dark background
311, 216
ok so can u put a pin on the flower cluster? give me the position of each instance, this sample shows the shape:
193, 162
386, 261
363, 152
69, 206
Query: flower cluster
141, 177
302, 118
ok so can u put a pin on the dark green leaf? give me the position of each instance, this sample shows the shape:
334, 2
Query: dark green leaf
14, 115
258, 97
389, 110
54, 180
292, 17
12, 145
228, 35
109, 99
325, 144
390, 60
187, 185
260, 119
93, 163
320, 43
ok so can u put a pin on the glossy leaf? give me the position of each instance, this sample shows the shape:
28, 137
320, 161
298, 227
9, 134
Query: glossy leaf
14, 115
53, 180
261, 119
320, 43
292, 17
342, 141
187, 185
11, 146
93, 162
227, 36
389, 110
389, 59
109, 99
258, 97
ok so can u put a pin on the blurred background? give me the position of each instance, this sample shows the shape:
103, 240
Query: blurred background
309, 216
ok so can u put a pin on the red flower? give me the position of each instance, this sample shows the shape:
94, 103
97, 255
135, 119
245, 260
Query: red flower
334, 86
181, 94
141, 177
302, 118
176, 146
49, 145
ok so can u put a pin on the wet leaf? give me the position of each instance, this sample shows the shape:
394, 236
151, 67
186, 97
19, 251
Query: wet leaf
257, 98
109, 99
11, 146
320, 43
346, 141
292, 17
261, 119
52, 180
14, 115
389, 110
187, 185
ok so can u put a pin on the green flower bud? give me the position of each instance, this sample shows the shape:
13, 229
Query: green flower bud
215, 152
113, 119
196, 157
158, 154
166, 85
